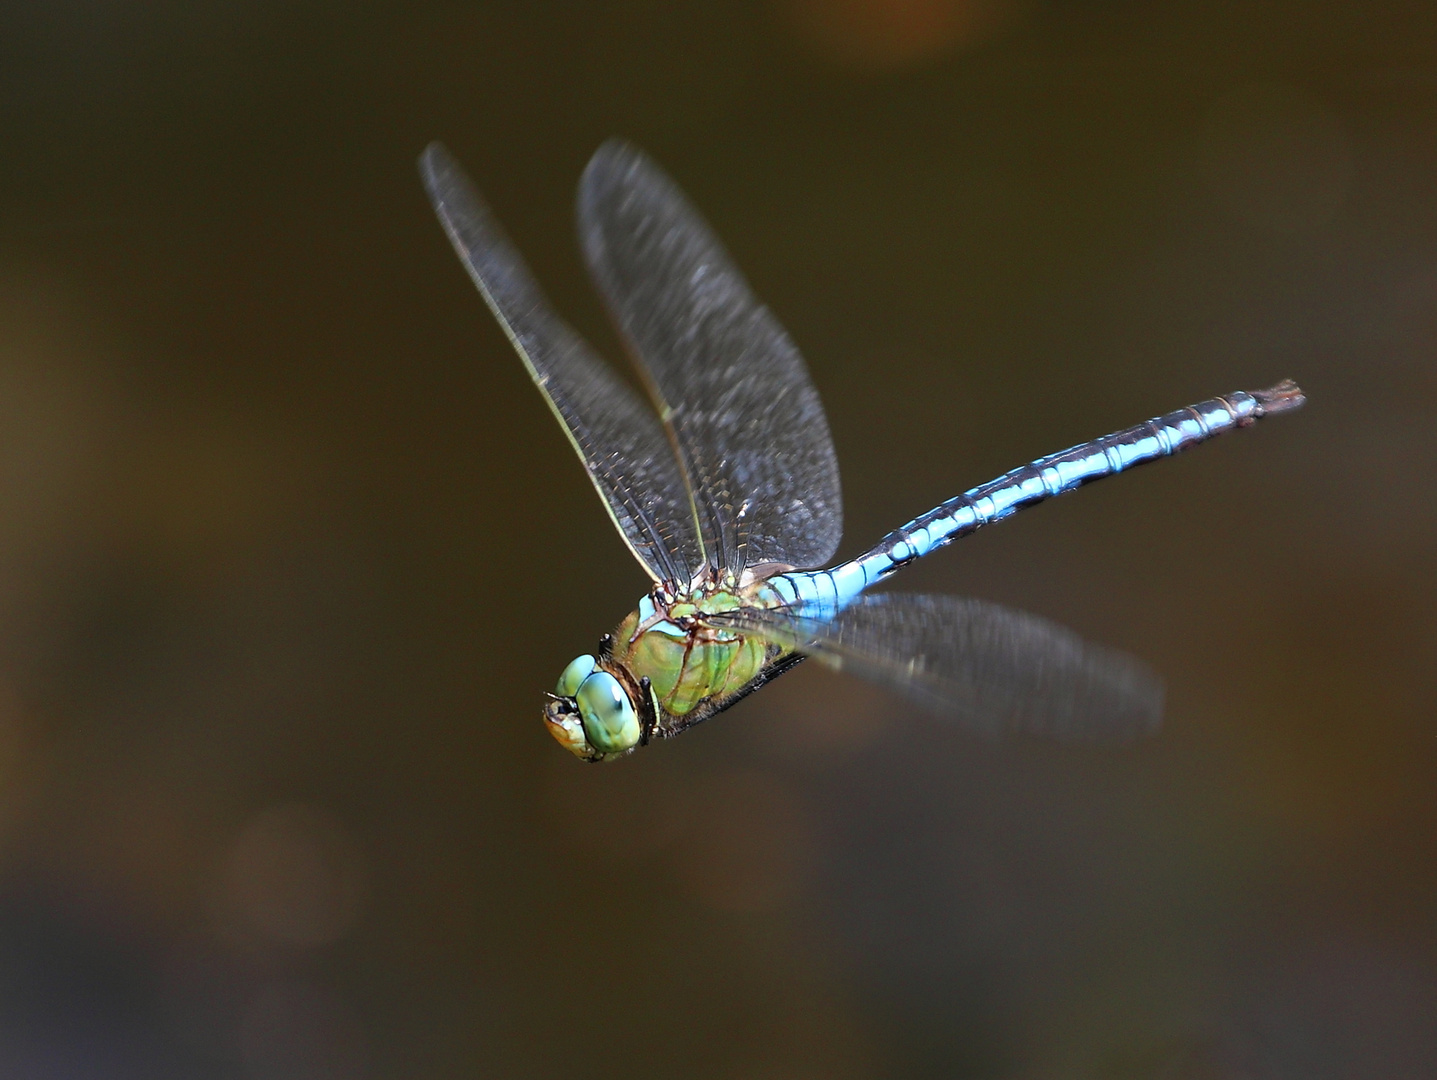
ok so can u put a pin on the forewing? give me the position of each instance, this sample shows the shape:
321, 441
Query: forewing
991, 667
747, 420
621, 442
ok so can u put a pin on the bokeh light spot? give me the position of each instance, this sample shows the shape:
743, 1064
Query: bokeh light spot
888, 34
295, 875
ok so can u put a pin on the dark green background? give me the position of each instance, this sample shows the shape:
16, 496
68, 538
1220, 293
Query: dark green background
289, 547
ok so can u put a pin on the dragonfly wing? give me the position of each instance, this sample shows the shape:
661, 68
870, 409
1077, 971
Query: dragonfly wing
621, 442
724, 374
991, 667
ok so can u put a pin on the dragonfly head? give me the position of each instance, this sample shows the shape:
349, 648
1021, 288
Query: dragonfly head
592, 713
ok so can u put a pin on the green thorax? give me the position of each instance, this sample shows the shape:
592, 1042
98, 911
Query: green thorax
685, 661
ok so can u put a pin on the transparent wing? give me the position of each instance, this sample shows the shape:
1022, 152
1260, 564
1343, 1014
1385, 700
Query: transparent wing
991, 667
617, 436
747, 420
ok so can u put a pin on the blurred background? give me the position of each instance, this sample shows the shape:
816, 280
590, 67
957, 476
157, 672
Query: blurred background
290, 547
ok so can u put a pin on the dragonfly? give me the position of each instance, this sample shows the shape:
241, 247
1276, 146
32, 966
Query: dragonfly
724, 485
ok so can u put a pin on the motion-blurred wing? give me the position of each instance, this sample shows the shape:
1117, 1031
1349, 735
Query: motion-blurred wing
991, 667
726, 378
616, 434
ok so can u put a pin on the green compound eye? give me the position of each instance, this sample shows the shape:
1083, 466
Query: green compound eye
574, 676
610, 721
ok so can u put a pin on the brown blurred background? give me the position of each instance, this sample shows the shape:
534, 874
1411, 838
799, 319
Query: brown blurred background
289, 546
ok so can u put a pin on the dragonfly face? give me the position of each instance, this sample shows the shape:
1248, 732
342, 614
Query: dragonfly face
725, 488
592, 714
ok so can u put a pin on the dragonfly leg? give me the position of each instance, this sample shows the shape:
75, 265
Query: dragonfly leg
648, 712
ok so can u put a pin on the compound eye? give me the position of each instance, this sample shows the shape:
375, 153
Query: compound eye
610, 721
574, 675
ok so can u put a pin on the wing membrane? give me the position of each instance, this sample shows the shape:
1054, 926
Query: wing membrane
727, 379
622, 444
991, 667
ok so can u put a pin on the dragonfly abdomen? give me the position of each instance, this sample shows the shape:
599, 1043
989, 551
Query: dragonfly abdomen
1033, 483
